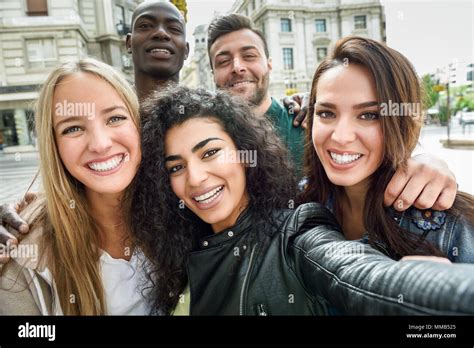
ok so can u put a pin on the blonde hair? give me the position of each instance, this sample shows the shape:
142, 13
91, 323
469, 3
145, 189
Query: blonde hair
70, 231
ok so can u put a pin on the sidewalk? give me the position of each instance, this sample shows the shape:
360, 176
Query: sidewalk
19, 149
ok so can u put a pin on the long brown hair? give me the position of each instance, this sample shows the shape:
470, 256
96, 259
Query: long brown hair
396, 83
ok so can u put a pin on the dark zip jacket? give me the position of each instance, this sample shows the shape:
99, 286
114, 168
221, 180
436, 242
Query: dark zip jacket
302, 265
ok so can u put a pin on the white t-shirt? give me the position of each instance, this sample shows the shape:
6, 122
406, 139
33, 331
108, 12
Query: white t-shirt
123, 282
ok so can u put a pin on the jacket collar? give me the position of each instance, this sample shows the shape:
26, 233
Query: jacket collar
243, 224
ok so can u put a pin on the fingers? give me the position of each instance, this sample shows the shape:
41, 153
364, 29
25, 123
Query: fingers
30, 197
426, 258
292, 103
293, 108
395, 187
428, 196
410, 193
422, 185
301, 116
9, 216
445, 200
305, 122
6, 237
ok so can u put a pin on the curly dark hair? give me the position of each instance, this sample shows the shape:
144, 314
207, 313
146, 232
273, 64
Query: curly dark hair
166, 233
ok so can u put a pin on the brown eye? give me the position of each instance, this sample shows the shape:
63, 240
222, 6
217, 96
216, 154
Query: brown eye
210, 153
325, 114
370, 116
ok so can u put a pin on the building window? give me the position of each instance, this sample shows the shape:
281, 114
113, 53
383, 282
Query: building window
320, 25
285, 25
41, 53
360, 22
128, 17
288, 58
36, 7
321, 53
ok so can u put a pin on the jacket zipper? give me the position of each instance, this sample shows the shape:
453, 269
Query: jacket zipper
245, 281
261, 310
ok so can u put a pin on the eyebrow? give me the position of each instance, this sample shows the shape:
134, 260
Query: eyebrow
69, 119
196, 147
358, 106
113, 108
77, 118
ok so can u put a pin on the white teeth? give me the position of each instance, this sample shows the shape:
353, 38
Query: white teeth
161, 50
209, 196
240, 83
344, 158
107, 165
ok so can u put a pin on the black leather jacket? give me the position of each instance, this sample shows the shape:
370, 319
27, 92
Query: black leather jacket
303, 266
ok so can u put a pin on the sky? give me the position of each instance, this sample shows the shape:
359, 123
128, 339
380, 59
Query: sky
430, 33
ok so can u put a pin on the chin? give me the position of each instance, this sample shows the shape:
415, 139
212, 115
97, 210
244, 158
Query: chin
214, 217
107, 188
346, 180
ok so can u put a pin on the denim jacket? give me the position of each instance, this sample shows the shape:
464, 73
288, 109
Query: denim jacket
452, 234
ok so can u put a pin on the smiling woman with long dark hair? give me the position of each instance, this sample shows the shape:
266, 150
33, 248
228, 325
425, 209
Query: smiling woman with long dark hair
171, 230
214, 219
364, 122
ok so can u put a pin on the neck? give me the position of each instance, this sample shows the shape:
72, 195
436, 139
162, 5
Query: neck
263, 107
146, 84
107, 213
352, 206
232, 219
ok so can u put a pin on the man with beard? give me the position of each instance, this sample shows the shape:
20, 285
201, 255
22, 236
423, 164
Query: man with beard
157, 44
240, 61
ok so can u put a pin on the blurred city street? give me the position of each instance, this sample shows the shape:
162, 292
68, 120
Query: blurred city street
18, 170
16, 173
460, 161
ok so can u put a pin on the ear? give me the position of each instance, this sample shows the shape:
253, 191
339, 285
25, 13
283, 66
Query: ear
270, 64
128, 42
187, 51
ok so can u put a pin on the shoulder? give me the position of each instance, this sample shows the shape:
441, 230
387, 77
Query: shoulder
449, 231
16, 296
424, 221
309, 215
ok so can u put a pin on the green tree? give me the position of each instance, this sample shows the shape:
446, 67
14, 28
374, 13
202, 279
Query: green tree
183, 7
431, 96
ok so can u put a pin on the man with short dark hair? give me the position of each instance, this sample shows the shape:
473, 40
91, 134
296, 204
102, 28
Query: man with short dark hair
241, 64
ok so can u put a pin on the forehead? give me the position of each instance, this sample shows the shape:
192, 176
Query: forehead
73, 89
353, 82
157, 10
192, 131
236, 40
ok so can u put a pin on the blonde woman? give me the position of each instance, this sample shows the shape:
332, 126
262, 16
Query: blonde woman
78, 258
